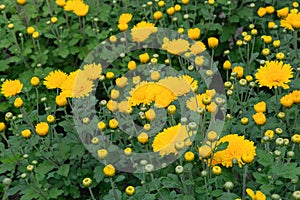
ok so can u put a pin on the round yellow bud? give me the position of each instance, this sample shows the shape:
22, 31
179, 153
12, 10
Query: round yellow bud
26, 133
143, 138
109, 170
35, 81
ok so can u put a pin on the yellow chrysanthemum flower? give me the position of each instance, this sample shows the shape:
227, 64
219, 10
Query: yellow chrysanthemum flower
237, 147
11, 88
92, 71
165, 141
141, 31
256, 196
176, 46
77, 85
195, 102
55, 79
125, 18
274, 74
291, 22
197, 48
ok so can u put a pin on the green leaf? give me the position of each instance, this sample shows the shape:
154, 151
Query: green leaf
287, 170
119, 178
53, 193
228, 196
216, 193
98, 174
265, 158
64, 170
222, 146
43, 168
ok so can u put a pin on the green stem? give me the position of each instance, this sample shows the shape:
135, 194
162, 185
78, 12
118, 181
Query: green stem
113, 187
91, 193
244, 182
295, 43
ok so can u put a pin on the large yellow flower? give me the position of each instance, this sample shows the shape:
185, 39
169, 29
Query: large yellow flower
147, 92
77, 6
176, 46
92, 71
141, 31
77, 85
55, 79
11, 88
291, 22
165, 141
274, 74
237, 147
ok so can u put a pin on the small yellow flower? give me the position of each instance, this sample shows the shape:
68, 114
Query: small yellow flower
30, 168
110, 75
109, 170
161, 3
147, 127
2, 126
150, 114
157, 15
260, 107
131, 65
26, 133
102, 153
112, 106
211, 2
217, 170
95, 140
87, 182
249, 78
30, 30
10, 25
282, 13
185, 1
227, 65
276, 43
199, 60
50, 119
18, 103
35, 35
247, 38
265, 51
121, 82
212, 42
42, 128
239, 42
239, 70
244, 120
54, 20
60, 3
35, 81
271, 25
113, 123
261, 12
128, 151
254, 31
205, 151
270, 133
114, 94
130, 190
194, 33
101, 126
180, 30
270, 9
212, 136
123, 27
61, 100
189, 156
144, 58
266, 38
177, 7
171, 11
259, 118
112, 39
280, 56
171, 109
247, 158
296, 138
21, 2
155, 75
143, 138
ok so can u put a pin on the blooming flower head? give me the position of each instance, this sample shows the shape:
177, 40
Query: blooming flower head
291, 22
141, 31
42, 128
11, 88
92, 71
165, 141
237, 147
55, 79
60, 3
194, 33
212, 42
77, 85
77, 6
125, 18
259, 118
239, 70
176, 46
256, 196
261, 11
274, 74
197, 48
282, 13
260, 107
109, 170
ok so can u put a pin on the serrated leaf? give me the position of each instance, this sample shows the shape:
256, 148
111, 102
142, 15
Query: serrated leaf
287, 170
264, 158
64, 170
53, 193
